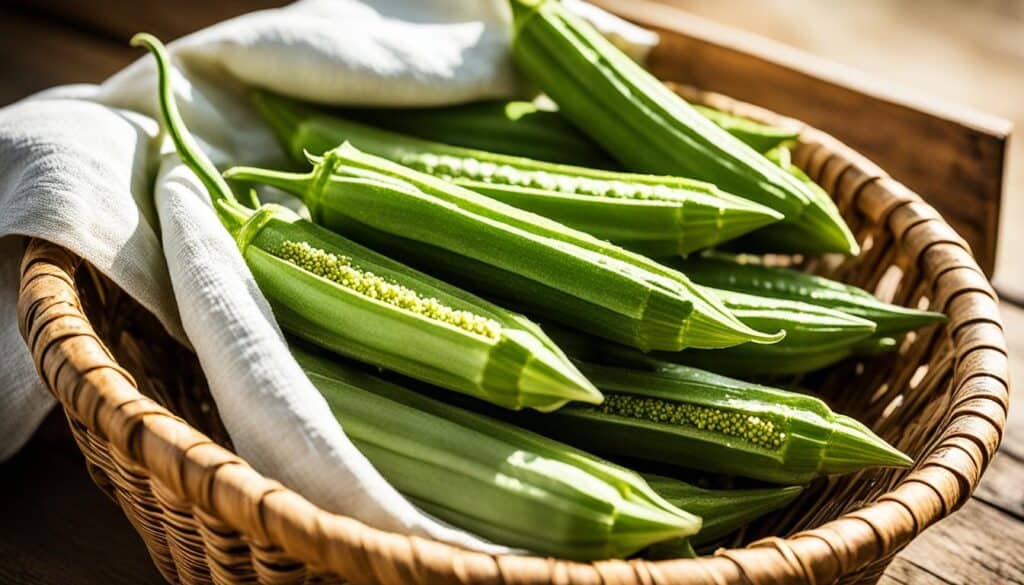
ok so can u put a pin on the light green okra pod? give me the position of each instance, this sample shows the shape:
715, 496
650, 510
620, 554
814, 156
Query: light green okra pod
501, 251
529, 130
722, 511
749, 275
816, 337
354, 301
504, 483
691, 418
657, 216
649, 128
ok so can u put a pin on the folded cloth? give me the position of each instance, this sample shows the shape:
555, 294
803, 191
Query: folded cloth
87, 167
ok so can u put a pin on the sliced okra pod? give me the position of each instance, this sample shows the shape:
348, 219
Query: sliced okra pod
354, 301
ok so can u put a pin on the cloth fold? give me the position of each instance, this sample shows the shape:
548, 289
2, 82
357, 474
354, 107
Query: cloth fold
87, 167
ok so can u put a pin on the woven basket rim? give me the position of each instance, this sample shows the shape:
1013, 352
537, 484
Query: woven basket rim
81, 372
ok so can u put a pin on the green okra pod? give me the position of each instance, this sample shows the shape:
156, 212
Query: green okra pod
516, 128
722, 511
686, 417
649, 128
499, 250
657, 216
504, 483
760, 137
354, 301
749, 275
816, 337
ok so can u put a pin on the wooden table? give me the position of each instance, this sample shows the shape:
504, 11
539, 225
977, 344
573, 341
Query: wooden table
58, 528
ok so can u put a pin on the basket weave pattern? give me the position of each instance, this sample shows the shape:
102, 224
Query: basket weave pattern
140, 412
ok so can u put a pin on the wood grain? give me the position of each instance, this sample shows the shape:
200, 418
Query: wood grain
39, 54
904, 572
978, 544
947, 153
114, 20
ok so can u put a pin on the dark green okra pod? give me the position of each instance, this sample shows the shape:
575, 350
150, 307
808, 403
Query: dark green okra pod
504, 483
657, 216
649, 128
516, 128
347, 298
502, 251
722, 511
816, 337
686, 417
748, 275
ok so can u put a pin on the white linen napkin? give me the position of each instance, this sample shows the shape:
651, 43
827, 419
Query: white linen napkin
86, 167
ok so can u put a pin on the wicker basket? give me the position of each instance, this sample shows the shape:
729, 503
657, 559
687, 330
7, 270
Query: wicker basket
140, 412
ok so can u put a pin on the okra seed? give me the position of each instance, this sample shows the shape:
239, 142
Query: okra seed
750, 428
339, 269
450, 167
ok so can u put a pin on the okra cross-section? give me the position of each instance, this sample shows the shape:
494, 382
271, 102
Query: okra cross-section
507, 253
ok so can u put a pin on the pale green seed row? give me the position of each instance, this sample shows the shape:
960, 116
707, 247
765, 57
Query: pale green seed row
340, 269
750, 428
455, 167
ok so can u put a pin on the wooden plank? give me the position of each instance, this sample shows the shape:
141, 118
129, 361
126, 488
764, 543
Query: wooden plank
40, 54
167, 20
58, 527
1013, 325
1003, 485
904, 572
952, 156
977, 544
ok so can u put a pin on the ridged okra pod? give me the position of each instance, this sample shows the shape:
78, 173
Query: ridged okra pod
502, 251
512, 127
657, 216
749, 275
816, 337
347, 298
691, 418
526, 129
650, 129
723, 511
504, 483
760, 137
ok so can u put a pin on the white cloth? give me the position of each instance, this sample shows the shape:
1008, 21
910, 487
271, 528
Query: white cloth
86, 167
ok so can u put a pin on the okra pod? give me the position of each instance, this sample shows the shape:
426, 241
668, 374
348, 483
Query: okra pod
517, 128
564, 274
722, 511
656, 216
650, 129
354, 301
691, 418
749, 275
504, 483
760, 137
816, 337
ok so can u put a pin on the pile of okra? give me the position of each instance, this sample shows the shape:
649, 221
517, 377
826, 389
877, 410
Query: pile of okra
548, 321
